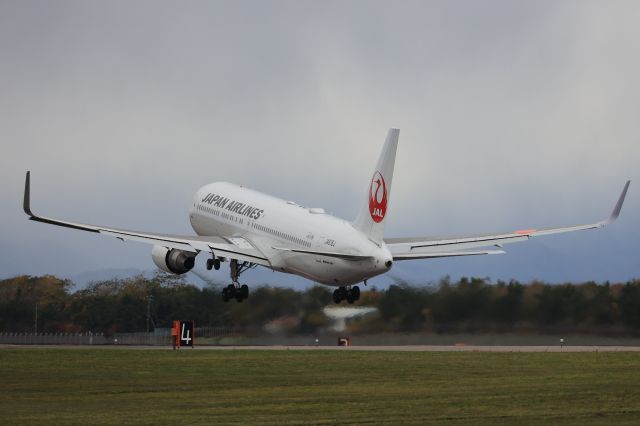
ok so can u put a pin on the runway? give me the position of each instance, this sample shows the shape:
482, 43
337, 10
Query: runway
409, 348
426, 348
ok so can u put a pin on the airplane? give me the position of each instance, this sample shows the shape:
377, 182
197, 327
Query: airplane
247, 228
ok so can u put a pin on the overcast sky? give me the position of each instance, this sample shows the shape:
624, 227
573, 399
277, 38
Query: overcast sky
512, 115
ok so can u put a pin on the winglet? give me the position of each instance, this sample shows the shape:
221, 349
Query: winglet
616, 210
27, 195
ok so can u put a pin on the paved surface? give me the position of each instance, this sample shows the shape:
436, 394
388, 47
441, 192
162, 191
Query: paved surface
419, 348
411, 348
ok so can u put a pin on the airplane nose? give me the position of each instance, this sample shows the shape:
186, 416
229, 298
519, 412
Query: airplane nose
388, 264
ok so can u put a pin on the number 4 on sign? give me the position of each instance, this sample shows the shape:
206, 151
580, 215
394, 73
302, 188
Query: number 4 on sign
186, 338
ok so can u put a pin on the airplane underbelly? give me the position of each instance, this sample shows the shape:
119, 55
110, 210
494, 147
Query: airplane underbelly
330, 270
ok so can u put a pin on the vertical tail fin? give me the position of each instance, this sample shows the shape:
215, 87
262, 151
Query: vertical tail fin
370, 220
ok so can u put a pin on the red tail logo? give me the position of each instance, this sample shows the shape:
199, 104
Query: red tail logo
377, 197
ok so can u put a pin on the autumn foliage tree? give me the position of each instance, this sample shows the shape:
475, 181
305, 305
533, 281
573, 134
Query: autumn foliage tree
470, 305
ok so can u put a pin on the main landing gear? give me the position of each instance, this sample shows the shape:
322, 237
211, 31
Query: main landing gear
235, 290
350, 295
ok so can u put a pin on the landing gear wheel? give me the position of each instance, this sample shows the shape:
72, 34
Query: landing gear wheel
340, 294
355, 290
242, 293
336, 296
229, 292
351, 295
343, 293
213, 264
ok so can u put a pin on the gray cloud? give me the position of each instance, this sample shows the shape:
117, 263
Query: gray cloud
512, 115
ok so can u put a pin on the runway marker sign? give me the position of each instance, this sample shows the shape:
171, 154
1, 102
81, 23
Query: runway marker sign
183, 333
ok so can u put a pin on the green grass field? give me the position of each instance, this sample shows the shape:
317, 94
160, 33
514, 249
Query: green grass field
119, 386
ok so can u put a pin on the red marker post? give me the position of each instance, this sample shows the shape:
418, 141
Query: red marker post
175, 332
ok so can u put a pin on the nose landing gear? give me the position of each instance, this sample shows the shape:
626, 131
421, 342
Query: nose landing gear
213, 264
350, 294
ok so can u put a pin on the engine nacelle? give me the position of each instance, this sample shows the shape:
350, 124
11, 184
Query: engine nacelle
173, 261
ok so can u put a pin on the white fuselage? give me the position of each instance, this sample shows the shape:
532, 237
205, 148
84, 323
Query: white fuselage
275, 226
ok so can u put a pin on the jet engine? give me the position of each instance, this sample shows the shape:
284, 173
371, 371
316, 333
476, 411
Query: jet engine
173, 260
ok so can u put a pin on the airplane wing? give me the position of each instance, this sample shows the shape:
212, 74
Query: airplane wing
229, 247
429, 247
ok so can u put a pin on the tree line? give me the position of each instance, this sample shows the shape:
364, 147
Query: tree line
467, 305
